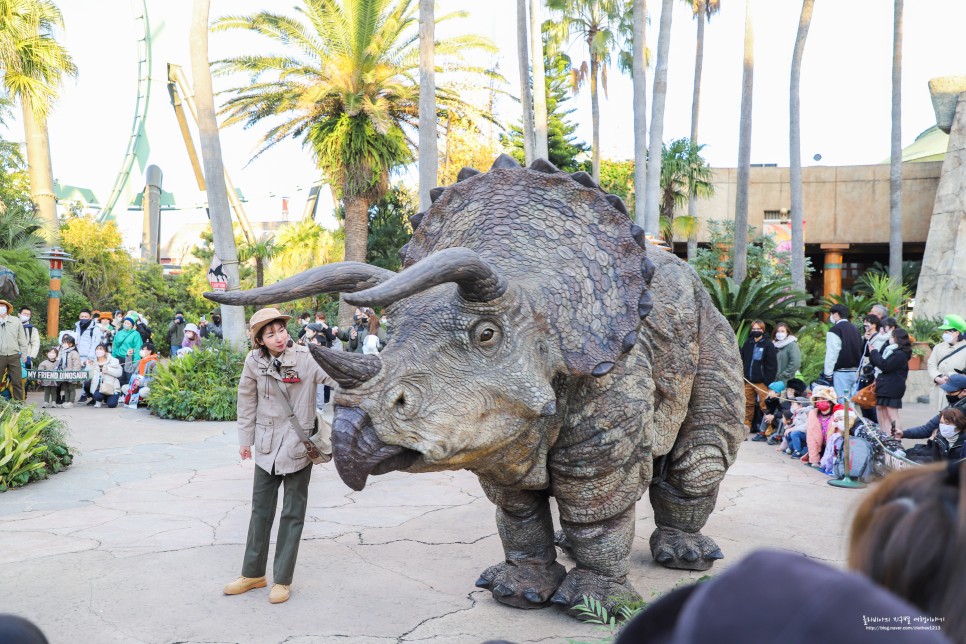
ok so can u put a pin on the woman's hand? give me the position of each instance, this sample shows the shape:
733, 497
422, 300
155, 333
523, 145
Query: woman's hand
245, 452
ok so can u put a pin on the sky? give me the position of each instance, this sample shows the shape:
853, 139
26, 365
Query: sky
845, 87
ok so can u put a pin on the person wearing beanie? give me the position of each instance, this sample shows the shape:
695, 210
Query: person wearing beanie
772, 418
127, 342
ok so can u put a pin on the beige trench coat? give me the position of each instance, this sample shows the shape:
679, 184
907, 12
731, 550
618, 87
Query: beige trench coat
937, 366
263, 423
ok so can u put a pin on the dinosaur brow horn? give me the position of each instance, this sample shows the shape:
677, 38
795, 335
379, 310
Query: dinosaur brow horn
478, 281
340, 277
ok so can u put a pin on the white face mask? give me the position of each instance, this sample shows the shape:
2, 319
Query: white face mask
949, 432
99, 354
781, 335
3, 310
949, 337
25, 318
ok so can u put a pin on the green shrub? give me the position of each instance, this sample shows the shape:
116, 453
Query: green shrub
811, 341
32, 445
202, 385
926, 329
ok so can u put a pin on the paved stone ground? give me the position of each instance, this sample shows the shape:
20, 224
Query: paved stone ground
134, 542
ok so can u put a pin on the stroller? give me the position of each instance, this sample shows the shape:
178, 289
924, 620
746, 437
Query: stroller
887, 451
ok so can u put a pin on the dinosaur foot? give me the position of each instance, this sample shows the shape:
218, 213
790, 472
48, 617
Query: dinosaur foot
673, 548
581, 583
522, 585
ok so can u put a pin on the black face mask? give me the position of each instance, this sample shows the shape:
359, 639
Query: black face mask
756, 334
952, 398
84, 324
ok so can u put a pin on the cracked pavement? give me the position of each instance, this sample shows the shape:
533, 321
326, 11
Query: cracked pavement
135, 540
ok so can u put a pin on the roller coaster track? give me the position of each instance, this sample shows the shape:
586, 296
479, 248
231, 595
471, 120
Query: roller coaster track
140, 110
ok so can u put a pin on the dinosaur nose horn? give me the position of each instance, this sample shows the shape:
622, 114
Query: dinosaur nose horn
348, 369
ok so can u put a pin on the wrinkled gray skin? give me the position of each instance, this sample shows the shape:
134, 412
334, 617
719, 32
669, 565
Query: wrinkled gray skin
570, 358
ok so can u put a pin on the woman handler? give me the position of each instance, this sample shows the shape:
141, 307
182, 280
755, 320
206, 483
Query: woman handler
280, 457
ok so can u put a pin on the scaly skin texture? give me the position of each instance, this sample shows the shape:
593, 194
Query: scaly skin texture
595, 369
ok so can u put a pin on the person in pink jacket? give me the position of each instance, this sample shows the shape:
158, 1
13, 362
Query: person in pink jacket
819, 425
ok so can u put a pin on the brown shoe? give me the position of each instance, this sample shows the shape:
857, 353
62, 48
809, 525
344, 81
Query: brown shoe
279, 594
244, 584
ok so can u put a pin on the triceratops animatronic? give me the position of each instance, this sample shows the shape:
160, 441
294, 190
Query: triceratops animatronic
540, 343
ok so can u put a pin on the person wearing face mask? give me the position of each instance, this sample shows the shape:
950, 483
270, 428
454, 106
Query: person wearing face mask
788, 354
139, 374
175, 333
760, 366
33, 337
85, 334
127, 342
948, 442
105, 372
14, 349
69, 360
947, 357
892, 366
106, 331
955, 390
212, 328
818, 426
356, 334
843, 350
49, 386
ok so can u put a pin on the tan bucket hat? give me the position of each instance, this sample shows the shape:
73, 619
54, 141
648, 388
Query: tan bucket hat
8, 305
263, 317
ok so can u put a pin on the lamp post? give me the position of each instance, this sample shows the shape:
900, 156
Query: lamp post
56, 256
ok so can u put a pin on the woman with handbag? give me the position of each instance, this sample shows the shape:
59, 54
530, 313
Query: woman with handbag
872, 338
890, 383
105, 372
276, 415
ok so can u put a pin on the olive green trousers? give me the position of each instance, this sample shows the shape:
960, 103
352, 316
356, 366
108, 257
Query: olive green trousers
264, 501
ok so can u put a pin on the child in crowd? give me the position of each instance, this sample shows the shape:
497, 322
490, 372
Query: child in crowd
819, 426
795, 439
192, 338
773, 410
69, 360
49, 386
141, 373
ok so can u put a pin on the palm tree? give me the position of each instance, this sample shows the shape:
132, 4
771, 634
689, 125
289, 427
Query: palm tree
685, 177
347, 86
541, 145
221, 228
526, 95
260, 251
428, 155
703, 10
744, 152
795, 150
303, 245
597, 24
652, 194
895, 159
33, 66
639, 82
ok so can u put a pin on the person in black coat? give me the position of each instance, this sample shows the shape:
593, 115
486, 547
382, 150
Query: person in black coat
759, 360
890, 382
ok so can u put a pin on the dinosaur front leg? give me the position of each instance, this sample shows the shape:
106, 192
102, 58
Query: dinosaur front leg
530, 574
602, 551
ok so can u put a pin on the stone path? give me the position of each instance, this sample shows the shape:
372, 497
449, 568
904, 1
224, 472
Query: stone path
134, 542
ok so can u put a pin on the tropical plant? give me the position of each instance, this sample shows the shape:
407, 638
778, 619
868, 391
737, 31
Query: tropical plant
811, 342
467, 146
895, 154
595, 23
389, 228
685, 176
795, 149
882, 289
33, 65
32, 445
655, 136
857, 302
702, 10
926, 329
102, 268
260, 252
754, 299
765, 261
744, 151
347, 86
201, 385
563, 146
910, 273
617, 177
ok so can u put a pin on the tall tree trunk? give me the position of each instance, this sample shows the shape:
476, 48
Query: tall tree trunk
744, 152
428, 154
895, 158
224, 238
541, 146
695, 110
652, 198
594, 119
639, 78
795, 150
356, 241
40, 170
526, 97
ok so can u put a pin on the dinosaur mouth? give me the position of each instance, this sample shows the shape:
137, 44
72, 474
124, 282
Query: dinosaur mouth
359, 452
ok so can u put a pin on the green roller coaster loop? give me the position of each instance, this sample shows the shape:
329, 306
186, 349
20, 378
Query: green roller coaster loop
138, 137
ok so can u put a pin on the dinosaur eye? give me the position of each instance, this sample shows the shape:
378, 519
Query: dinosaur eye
486, 335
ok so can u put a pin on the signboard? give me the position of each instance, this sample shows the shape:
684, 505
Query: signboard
57, 376
781, 231
217, 276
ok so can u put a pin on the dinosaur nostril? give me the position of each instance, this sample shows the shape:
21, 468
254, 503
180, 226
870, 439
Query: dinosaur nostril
401, 401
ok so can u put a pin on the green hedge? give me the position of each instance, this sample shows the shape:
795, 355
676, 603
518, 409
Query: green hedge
202, 385
33, 445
